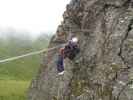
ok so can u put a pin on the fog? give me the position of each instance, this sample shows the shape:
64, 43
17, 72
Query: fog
13, 33
30, 17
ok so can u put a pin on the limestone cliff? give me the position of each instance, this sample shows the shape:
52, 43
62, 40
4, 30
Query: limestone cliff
103, 68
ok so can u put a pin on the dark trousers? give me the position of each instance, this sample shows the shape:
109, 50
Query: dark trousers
60, 63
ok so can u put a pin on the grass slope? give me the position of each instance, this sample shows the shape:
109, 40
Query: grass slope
15, 76
13, 90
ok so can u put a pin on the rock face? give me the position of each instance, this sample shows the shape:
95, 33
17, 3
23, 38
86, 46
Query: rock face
103, 68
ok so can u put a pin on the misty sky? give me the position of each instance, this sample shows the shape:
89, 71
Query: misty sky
31, 15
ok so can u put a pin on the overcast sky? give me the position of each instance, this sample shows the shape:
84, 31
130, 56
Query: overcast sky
32, 15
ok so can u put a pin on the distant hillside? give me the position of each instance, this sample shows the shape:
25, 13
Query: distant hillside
14, 45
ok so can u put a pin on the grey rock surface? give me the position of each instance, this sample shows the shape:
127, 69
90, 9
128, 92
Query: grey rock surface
103, 70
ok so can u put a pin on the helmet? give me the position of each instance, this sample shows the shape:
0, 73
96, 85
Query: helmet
74, 39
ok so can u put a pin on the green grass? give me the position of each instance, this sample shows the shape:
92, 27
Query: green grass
15, 76
22, 69
13, 90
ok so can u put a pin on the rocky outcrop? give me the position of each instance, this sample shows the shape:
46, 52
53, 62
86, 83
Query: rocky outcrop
103, 68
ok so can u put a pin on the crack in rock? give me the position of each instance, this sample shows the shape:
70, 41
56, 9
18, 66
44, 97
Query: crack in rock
122, 42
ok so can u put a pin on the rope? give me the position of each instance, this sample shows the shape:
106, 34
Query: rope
38, 52
29, 54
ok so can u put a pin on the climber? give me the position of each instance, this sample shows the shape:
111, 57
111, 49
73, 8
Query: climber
68, 51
